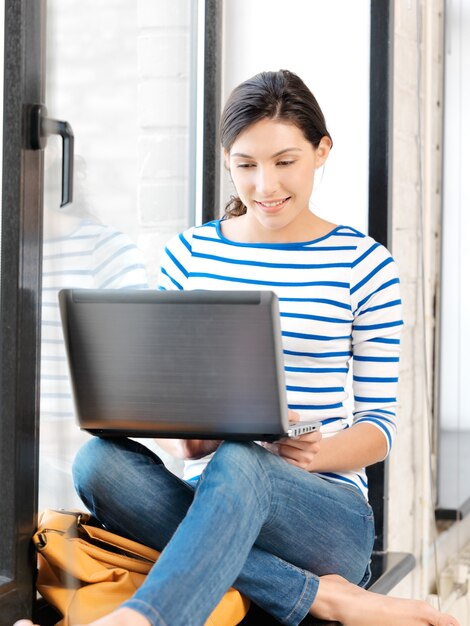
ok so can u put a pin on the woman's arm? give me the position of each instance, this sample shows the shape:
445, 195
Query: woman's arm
376, 307
350, 449
188, 448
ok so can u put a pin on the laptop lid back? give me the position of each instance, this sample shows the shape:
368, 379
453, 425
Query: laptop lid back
202, 364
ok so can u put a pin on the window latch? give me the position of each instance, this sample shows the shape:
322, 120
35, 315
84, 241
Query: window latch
40, 127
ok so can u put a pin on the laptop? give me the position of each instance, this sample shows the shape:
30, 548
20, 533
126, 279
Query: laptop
180, 364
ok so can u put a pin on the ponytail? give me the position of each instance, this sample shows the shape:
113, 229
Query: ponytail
234, 207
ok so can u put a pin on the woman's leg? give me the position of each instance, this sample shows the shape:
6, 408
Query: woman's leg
283, 588
335, 598
129, 490
127, 487
244, 490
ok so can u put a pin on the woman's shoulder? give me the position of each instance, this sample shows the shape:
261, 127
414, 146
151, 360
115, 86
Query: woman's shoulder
187, 238
362, 243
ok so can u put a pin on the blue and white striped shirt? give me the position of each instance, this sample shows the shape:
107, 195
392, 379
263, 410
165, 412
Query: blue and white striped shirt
93, 256
339, 303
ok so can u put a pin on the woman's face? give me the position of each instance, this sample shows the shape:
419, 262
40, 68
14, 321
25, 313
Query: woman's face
272, 167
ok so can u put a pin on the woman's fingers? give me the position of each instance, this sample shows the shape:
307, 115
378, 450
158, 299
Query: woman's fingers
303, 441
301, 451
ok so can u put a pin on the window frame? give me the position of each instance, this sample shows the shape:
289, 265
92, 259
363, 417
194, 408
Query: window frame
21, 254
20, 323
380, 198
20, 305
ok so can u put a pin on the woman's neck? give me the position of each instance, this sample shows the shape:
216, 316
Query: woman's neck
244, 229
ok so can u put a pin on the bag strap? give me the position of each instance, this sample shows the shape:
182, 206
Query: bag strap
76, 523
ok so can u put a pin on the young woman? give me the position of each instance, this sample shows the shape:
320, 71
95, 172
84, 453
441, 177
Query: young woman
289, 525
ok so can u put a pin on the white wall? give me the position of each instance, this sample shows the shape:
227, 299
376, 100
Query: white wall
326, 42
455, 330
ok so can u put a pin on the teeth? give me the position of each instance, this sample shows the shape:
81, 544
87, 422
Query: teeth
269, 204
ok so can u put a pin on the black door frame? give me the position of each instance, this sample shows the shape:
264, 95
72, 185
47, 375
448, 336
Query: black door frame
20, 306
380, 199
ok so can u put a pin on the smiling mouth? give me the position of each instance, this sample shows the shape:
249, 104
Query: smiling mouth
275, 204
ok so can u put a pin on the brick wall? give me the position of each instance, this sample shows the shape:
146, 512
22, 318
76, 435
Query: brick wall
164, 74
92, 82
120, 73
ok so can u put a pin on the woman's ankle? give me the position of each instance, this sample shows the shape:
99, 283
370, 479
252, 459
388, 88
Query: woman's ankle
339, 600
326, 605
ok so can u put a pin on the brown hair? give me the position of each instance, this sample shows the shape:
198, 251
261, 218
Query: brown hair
278, 95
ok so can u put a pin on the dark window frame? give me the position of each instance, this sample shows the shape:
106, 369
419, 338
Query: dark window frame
20, 306
212, 109
380, 198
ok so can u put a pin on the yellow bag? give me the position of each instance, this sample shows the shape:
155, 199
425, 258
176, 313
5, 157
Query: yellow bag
86, 572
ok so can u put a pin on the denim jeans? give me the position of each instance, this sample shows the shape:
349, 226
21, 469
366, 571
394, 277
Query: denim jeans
253, 521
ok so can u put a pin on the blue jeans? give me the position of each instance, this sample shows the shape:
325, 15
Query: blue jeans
253, 521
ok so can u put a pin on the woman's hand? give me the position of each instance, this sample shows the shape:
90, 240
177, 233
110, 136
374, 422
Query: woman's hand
300, 451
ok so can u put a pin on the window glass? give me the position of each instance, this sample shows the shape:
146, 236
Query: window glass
454, 370
121, 73
292, 39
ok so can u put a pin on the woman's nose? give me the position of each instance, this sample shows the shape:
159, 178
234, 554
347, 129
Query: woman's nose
266, 182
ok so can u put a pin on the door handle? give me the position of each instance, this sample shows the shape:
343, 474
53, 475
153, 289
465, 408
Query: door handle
41, 127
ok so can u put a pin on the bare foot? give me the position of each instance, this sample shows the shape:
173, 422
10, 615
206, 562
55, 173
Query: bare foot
120, 617
337, 599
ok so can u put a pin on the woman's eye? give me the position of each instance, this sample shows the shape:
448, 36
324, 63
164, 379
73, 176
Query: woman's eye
284, 163
245, 165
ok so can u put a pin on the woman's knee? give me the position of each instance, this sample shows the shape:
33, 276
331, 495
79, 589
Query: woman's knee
116, 459
90, 461
240, 458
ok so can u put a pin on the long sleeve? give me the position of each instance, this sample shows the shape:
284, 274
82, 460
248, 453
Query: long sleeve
117, 263
175, 263
376, 307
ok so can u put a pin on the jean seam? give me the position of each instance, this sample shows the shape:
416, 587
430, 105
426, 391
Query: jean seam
301, 600
271, 513
273, 506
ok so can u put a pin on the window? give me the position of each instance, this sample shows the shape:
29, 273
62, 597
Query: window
454, 423
124, 76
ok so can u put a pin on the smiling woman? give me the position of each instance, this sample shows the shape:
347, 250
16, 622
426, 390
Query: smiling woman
275, 187
302, 139
339, 298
